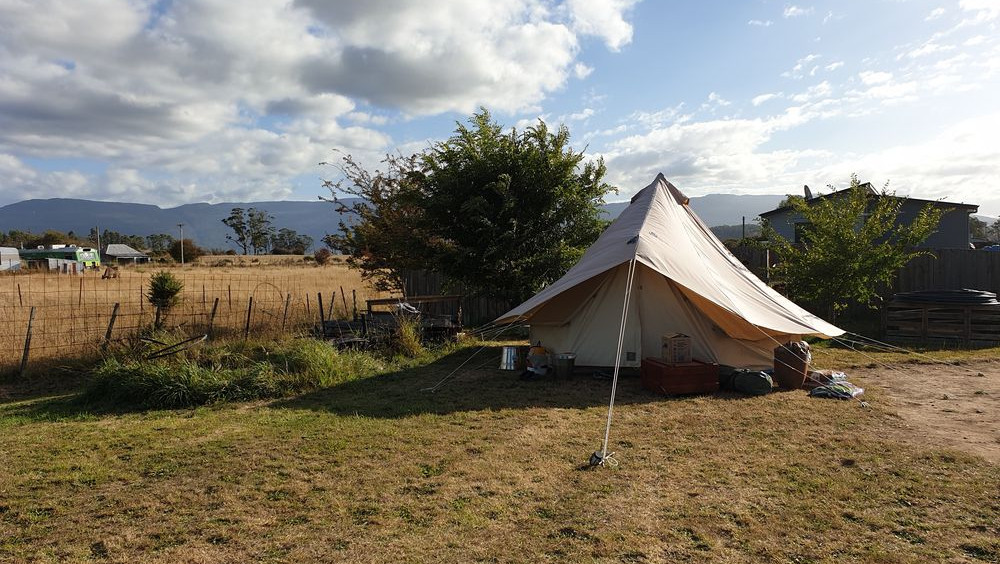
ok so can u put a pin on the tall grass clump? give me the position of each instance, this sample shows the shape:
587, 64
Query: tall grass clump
234, 371
406, 339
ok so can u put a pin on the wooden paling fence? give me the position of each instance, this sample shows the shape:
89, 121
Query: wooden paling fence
476, 310
951, 269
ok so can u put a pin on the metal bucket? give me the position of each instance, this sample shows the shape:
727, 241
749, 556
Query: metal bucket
509, 358
565, 363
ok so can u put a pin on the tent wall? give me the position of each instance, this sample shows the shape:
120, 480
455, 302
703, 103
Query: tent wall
588, 324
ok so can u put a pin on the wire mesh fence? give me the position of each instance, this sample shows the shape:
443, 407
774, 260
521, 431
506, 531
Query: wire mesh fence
72, 316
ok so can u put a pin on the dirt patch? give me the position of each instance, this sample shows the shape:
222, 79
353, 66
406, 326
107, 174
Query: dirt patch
952, 406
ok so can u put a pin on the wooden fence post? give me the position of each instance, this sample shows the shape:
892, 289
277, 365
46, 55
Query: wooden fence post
27, 341
308, 310
19, 300
322, 320
354, 298
246, 329
111, 326
343, 298
284, 316
333, 302
211, 318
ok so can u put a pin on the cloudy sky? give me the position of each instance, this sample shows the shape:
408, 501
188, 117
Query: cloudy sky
172, 102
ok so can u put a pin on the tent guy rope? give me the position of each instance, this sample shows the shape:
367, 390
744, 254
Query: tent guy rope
602, 458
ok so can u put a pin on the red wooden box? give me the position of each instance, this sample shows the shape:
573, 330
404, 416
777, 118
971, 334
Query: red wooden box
674, 379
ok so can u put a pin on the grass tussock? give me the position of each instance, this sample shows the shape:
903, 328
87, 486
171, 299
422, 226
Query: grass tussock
233, 371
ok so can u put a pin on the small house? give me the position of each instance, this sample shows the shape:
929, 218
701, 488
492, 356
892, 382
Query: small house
952, 232
9, 259
118, 253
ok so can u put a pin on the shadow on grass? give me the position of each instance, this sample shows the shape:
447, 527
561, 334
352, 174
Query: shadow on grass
478, 385
475, 386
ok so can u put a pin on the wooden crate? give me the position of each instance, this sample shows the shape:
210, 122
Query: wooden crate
693, 377
927, 323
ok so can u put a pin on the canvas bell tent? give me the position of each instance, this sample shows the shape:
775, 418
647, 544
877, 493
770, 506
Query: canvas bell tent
683, 280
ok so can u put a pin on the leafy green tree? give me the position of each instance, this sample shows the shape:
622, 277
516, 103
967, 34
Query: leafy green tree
288, 242
237, 221
993, 231
499, 213
385, 238
159, 242
977, 227
260, 230
191, 251
851, 247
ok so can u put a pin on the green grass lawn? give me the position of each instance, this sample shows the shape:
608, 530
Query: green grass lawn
488, 469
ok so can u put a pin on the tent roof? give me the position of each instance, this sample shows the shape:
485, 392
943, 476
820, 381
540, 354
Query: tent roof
659, 230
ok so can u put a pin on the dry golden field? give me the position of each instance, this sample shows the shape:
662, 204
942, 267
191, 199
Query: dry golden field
72, 313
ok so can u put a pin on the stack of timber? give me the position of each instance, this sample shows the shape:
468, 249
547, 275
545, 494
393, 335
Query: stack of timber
970, 317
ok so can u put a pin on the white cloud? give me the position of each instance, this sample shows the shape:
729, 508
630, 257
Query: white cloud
604, 19
793, 11
760, 99
760, 23
799, 70
983, 10
714, 101
235, 98
929, 48
582, 71
578, 116
834, 66
874, 77
935, 14
820, 90
961, 163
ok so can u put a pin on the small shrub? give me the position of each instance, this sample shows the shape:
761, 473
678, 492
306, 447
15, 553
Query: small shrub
164, 290
322, 256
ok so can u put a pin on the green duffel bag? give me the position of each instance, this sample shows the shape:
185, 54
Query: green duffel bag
752, 382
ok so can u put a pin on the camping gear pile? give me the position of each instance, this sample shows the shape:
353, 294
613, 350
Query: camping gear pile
832, 385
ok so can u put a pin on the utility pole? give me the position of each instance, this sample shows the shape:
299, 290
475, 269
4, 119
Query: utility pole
181, 227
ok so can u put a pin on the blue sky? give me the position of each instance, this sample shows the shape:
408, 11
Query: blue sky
211, 100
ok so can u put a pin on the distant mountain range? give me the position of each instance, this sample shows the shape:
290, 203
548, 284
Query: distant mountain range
203, 222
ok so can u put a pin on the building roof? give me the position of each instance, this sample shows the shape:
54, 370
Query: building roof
937, 203
123, 251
